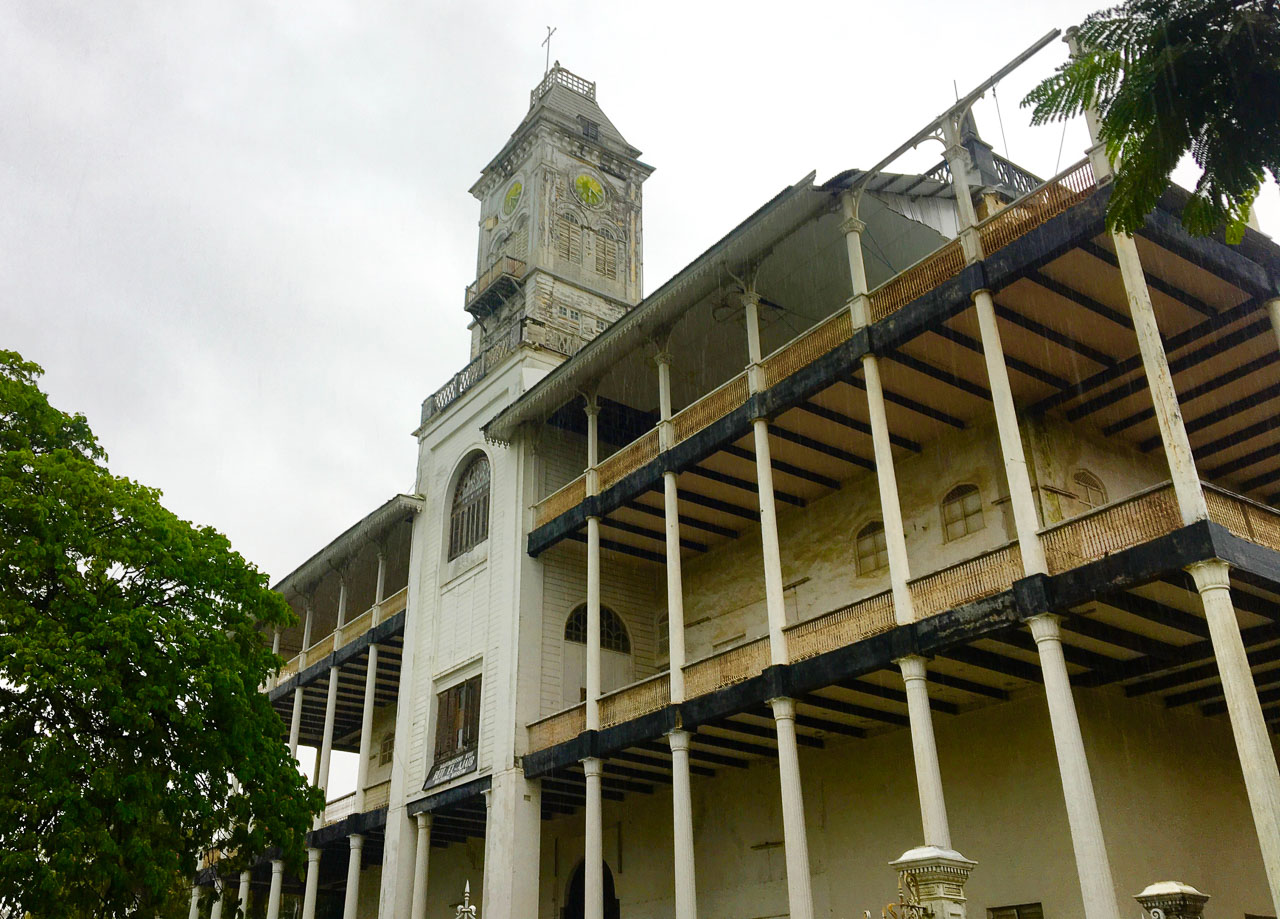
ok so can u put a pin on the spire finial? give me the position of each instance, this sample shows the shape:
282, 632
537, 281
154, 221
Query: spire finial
546, 42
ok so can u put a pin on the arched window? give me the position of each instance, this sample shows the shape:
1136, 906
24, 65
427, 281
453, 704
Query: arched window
469, 518
873, 554
962, 511
1089, 490
613, 634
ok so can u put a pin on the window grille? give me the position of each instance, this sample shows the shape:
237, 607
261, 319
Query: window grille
569, 240
606, 256
613, 634
873, 553
469, 519
962, 511
1089, 490
457, 719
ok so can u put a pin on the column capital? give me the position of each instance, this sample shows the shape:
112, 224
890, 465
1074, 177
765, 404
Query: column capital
679, 740
1210, 574
663, 358
313, 855
592, 408
912, 667
853, 225
784, 708
1045, 627
592, 767
357, 842
277, 867
973, 296
423, 819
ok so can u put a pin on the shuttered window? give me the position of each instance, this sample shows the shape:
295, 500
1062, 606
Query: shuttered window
873, 552
1021, 911
569, 240
469, 518
458, 719
606, 256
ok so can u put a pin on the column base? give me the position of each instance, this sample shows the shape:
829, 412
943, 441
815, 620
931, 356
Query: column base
934, 878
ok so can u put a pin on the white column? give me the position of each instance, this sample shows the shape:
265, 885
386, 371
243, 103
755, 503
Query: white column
593, 571
1096, 885
312, 885
326, 741
308, 621
366, 727
418, 909
512, 842
193, 912
933, 806
895, 537
1164, 398
274, 679
215, 911
593, 864
380, 586
671, 518
352, 901
682, 827
242, 895
342, 610
295, 722
795, 840
1273, 309
774, 600
1253, 742
775, 603
1015, 460
277, 889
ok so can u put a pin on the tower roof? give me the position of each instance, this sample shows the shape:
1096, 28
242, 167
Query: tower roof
568, 101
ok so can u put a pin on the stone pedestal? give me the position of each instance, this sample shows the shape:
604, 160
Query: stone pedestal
1173, 900
933, 879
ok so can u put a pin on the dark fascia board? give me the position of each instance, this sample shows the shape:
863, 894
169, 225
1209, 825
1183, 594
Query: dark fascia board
450, 796
1257, 249
354, 825
1136, 565
1054, 237
1249, 556
356, 648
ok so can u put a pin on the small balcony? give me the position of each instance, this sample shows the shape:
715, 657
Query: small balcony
495, 286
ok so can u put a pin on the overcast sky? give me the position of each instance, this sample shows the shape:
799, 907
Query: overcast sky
237, 235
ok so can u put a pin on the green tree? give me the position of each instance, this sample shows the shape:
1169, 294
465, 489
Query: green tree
132, 647
1170, 77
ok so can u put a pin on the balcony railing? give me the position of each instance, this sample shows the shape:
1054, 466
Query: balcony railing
1053, 197
471, 374
505, 269
379, 612
1132, 521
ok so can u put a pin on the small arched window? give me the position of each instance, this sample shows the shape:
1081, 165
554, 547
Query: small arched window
469, 518
873, 553
962, 511
613, 634
1089, 490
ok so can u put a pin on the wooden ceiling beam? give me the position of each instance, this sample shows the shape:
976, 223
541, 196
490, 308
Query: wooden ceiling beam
784, 467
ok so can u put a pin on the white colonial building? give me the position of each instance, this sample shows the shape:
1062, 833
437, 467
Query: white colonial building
920, 520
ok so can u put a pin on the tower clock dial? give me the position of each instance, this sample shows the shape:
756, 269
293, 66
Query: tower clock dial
512, 199
589, 190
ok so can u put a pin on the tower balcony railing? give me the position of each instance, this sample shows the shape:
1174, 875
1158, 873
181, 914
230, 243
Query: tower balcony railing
499, 279
471, 374
558, 74
1067, 189
1123, 524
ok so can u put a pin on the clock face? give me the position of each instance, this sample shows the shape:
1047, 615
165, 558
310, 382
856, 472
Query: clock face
512, 200
589, 191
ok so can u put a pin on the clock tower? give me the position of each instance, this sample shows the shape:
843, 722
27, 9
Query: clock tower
559, 255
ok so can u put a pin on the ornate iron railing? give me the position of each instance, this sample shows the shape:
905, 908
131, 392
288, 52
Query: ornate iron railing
471, 374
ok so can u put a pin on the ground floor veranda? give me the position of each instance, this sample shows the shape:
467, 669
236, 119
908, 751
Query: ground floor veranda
1168, 784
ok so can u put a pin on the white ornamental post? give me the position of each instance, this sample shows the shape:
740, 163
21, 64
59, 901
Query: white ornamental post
466, 910
1172, 900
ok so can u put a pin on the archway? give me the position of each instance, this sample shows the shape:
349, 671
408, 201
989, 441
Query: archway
575, 901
